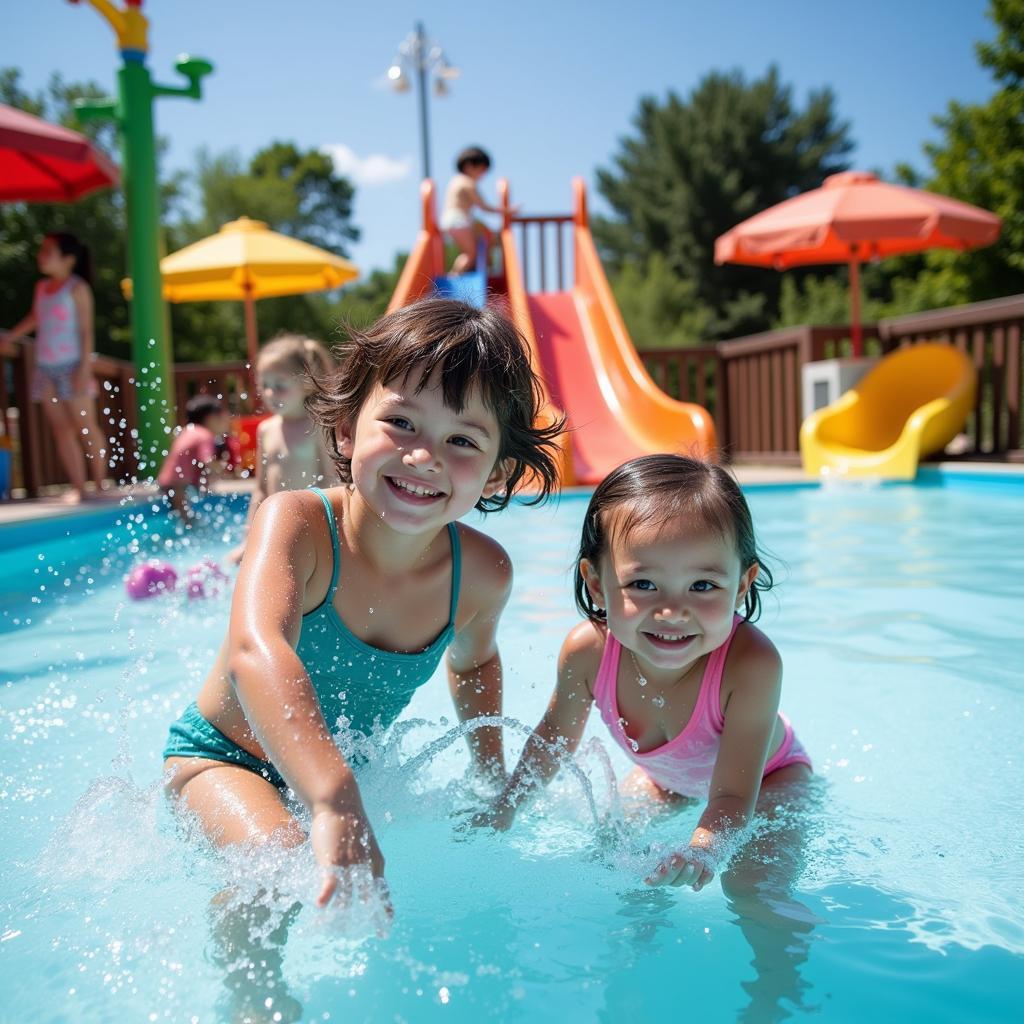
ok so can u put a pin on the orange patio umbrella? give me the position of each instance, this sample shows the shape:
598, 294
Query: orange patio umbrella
247, 261
855, 217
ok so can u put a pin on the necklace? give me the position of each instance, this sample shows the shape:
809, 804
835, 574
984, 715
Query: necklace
657, 700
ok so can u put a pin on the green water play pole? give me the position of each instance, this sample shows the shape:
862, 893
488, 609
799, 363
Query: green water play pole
132, 111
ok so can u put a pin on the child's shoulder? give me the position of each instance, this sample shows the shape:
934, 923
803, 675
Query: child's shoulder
484, 560
297, 514
583, 647
752, 658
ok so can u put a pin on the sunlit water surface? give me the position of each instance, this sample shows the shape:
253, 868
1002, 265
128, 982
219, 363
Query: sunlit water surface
891, 889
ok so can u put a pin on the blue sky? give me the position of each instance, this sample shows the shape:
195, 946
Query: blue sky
548, 87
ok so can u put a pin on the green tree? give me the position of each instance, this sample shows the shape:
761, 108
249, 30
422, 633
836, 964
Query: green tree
692, 169
980, 159
295, 192
660, 307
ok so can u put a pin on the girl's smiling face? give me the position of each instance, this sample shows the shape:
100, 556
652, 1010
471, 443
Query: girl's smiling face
417, 462
670, 591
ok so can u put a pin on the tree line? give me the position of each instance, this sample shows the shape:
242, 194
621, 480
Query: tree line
688, 170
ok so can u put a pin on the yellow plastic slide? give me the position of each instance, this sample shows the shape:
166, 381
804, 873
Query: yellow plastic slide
913, 403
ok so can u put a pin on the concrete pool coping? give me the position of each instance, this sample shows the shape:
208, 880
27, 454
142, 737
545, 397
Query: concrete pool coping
29, 510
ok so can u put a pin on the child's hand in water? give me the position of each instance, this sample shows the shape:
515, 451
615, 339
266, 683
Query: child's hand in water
689, 866
498, 816
341, 839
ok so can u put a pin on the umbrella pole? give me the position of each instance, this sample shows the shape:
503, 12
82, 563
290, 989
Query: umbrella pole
252, 338
855, 331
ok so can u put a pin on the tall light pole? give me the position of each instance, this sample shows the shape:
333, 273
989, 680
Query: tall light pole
420, 58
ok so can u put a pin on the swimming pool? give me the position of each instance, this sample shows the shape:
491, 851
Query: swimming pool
898, 616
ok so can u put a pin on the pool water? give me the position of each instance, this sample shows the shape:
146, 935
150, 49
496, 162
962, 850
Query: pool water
891, 888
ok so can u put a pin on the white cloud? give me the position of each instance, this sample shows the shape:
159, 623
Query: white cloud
375, 169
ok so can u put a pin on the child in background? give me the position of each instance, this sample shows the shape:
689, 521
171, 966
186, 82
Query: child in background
62, 380
688, 687
460, 199
193, 455
290, 450
349, 596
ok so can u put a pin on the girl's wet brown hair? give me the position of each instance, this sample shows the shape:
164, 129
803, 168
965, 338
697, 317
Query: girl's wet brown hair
656, 489
470, 348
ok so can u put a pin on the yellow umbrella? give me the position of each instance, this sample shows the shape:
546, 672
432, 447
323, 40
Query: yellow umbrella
247, 261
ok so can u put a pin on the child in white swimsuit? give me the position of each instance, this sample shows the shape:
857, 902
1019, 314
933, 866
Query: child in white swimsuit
460, 199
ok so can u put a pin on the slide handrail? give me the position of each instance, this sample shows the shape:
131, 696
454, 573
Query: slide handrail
426, 261
520, 311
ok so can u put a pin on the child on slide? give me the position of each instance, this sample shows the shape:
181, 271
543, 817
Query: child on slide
460, 199
688, 686
349, 596
291, 452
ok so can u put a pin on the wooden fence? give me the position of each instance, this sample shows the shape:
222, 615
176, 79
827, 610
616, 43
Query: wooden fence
757, 409
751, 386
35, 463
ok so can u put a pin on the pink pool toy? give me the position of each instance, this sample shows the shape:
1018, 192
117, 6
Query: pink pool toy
150, 579
206, 579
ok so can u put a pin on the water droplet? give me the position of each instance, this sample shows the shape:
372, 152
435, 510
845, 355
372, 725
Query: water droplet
658, 701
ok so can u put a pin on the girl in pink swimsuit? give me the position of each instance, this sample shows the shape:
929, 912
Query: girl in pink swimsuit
669, 579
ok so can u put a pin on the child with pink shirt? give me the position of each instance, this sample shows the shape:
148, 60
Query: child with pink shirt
669, 578
193, 455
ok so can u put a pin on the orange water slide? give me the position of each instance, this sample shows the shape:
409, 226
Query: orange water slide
592, 370
587, 361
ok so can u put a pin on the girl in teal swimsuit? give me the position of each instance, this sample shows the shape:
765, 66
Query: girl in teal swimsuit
348, 597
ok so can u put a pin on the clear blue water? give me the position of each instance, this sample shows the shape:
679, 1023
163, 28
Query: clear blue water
892, 890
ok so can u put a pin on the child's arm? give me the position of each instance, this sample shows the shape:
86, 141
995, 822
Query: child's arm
24, 327
560, 730
479, 201
82, 298
754, 671
474, 664
259, 494
275, 691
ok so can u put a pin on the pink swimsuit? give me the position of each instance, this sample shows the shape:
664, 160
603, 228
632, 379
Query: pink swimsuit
684, 764
193, 449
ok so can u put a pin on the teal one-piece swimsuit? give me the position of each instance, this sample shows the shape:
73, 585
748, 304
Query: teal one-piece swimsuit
358, 685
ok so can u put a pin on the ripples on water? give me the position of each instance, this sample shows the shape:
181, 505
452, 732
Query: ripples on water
903, 647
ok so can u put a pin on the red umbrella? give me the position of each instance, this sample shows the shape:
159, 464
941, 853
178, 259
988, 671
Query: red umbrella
44, 163
855, 217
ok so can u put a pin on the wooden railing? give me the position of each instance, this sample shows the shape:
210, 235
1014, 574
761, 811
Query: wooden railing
230, 382
757, 409
35, 464
992, 333
751, 386
692, 375
545, 247
763, 385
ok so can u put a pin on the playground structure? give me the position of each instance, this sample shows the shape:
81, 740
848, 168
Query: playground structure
577, 338
132, 111
913, 403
